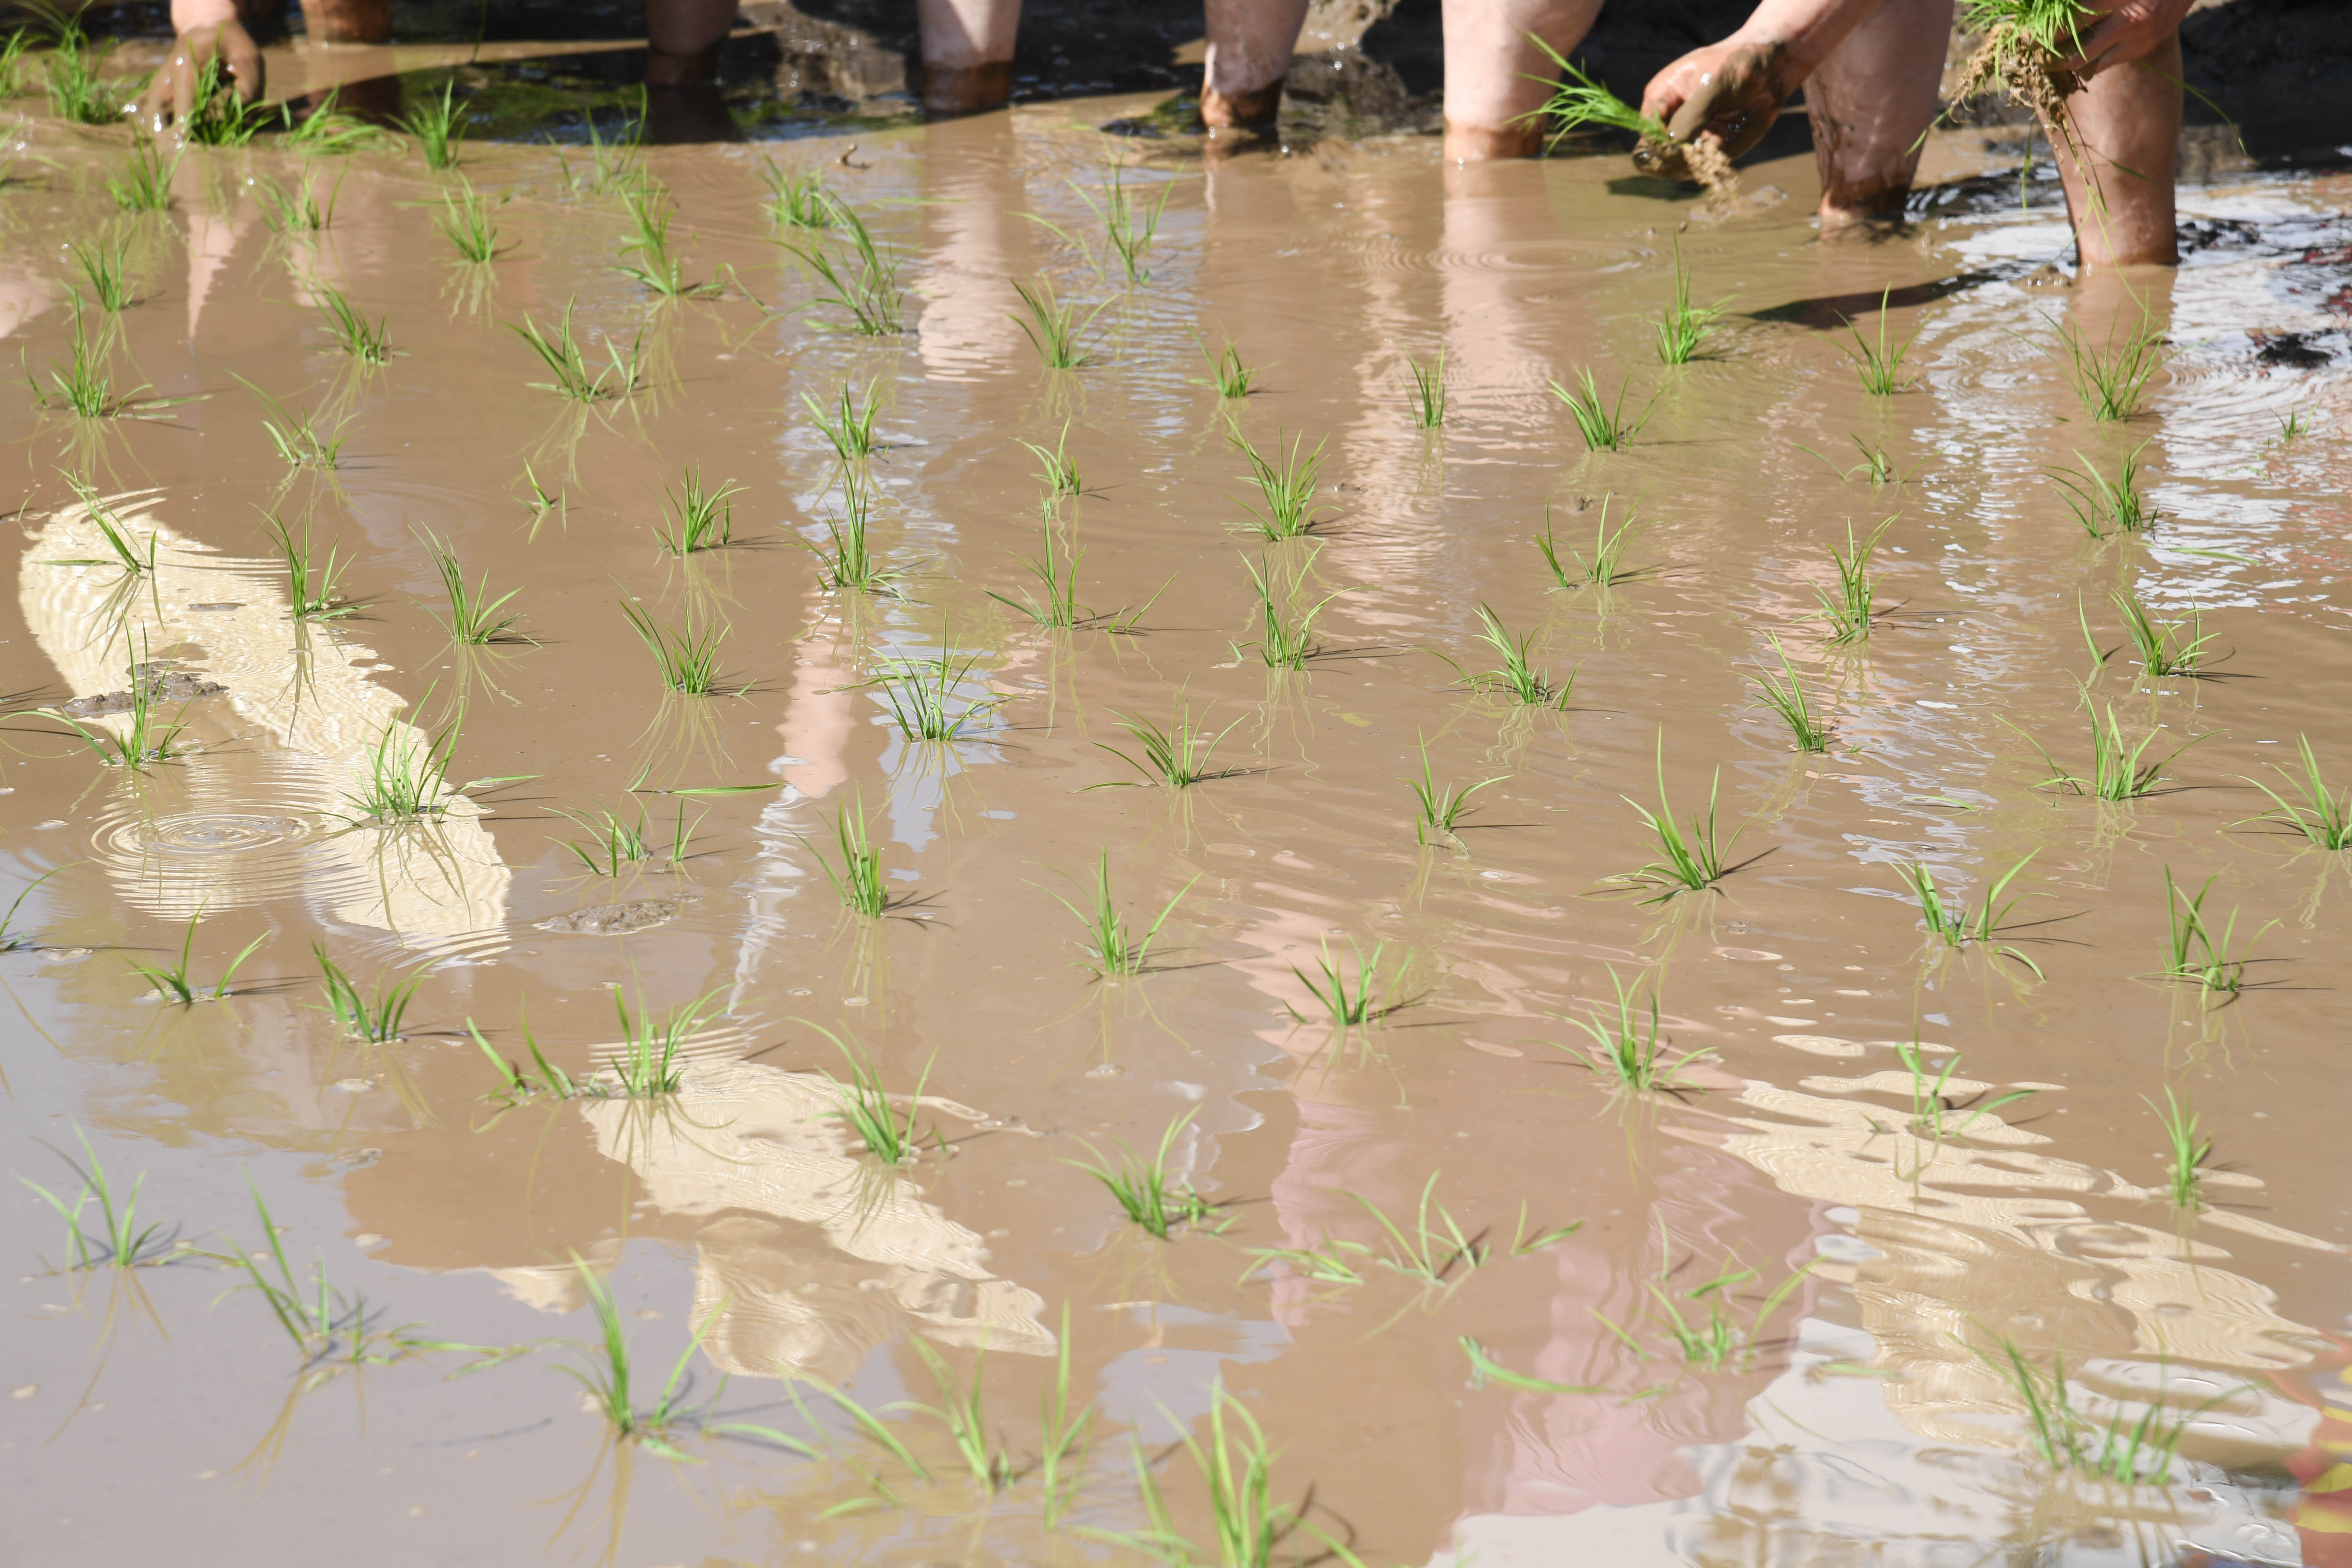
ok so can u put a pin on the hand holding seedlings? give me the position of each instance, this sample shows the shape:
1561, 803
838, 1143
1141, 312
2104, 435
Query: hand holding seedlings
209, 31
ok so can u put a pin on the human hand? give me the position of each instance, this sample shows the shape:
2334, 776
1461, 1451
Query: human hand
172, 95
2126, 30
1731, 91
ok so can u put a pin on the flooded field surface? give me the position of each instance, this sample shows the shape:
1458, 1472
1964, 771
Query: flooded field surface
668, 903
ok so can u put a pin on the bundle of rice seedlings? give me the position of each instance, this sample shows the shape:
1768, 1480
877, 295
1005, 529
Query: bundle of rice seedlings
2024, 40
1578, 101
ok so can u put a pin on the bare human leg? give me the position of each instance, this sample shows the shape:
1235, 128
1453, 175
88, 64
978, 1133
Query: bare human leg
967, 54
1869, 102
1250, 46
1489, 64
683, 38
2125, 127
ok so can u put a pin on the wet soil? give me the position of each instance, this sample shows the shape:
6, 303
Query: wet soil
1939, 1151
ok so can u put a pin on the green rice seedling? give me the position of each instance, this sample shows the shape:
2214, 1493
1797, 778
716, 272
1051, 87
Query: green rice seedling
1174, 756
688, 655
2291, 425
615, 843
1425, 391
1063, 1436
1607, 567
375, 1019
1052, 327
405, 777
2120, 769
857, 882
1057, 575
2110, 379
466, 222
14, 49
543, 499
1231, 378
866, 286
2322, 816
1956, 925
797, 198
1785, 695
1142, 1187
437, 126
1932, 1105
108, 272
1286, 483
313, 593
1056, 469
849, 563
300, 440
1442, 807
298, 211
15, 941
1693, 862
76, 88
351, 330
2186, 1151
1485, 1368
864, 1105
172, 982
1113, 949
1602, 425
1626, 1048
648, 240
2118, 1449
145, 183
473, 619
1429, 1251
1578, 101
700, 519
2102, 505
615, 164
1874, 463
1682, 328
80, 384
333, 131
605, 1370
1345, 1000
1286, 636
645, 1067
1700, 1321
121, 549
1851, 610
1128, 226
1879, 364
921, 695
848, 426
219, 115
121, 1241
2167, 650
515, 1086
560, 351
962, 1411
2206, 959
1518, 678
144, 737
1237, 1469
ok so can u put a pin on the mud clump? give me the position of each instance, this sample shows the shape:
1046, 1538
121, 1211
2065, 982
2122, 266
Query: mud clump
153, 683
617, 919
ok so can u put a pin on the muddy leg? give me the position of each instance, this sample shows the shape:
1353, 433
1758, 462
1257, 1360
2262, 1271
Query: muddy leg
967, 54
1250, 45
683, 38
1488, 59
1869, 101
348, 21
2127, 130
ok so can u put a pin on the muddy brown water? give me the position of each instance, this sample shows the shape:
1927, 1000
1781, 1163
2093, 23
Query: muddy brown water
152, 1414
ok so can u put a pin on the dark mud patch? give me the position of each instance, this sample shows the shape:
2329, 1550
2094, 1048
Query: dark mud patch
618, 919
152, 683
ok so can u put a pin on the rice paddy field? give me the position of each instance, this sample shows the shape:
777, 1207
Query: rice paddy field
981, 843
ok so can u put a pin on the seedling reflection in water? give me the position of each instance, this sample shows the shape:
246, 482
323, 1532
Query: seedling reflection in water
2322, 817
1606, 568
2069, 1437
121, 1241
1113, 949
1143, 1188
1441, 807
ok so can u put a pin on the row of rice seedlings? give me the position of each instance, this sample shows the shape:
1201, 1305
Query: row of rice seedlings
2110, 379
1286, 636
1517, 677
172, 982
1286, 483
700, 519
1956, 925
1854, 608
2322, 816
848, 426
76, 88
436, 125
1430, 1252
1227, 373
312, 590
615, 842
1113, 949
1625, 1046
1143, 1188
375, 1019
857, 881
650, 214
1053, 328
864, 1105
1054, 467
467, 223
2120, 769
1692, 862
605, 1370
300, 441
1603, 423
2068, 1437
688, 655
119, 1241
849, 564
1706, 1334
1440, 808
145, 183
2102, 505
1682, 328
1173, 755
565, 360
1879, 364
865, 285
921, 695
2197, 953
298, 211
1425, 391
1786, 696
351, 328
1607, 566
108, 272
2166, 649
1932, 1105
2186, 1151
797, 198
1346, 1000
473, 619
11, 939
